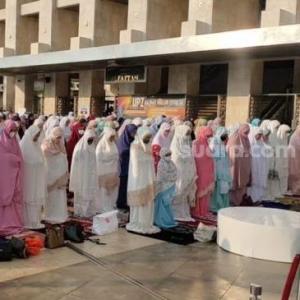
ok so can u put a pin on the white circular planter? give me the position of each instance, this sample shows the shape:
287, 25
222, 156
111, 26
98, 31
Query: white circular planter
263, 233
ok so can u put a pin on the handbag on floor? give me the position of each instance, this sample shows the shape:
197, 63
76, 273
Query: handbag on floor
6, 253
54, 237
19, 248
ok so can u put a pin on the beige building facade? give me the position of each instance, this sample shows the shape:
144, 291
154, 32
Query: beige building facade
54, 53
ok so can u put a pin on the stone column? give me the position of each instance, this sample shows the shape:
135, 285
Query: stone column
46, 28
280, 12
24, 92
206, 16
244, 79
9, 92
91, 92
199, 18
58, 86
136, 22
88, 10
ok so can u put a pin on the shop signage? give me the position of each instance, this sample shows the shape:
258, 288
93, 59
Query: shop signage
150, 107
126, 74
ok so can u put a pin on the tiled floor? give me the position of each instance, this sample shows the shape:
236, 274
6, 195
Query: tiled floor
138, 268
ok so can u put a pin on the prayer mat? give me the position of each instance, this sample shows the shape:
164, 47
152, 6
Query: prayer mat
278, 205
181, 235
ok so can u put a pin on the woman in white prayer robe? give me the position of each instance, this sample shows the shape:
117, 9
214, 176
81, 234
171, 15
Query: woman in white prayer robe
184, 161
53, 147
259, 166
141, 184
83, 178
35, 181
282, 160
107, 171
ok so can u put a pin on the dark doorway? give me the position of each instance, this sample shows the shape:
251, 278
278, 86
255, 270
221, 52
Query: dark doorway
278, 77
213, 79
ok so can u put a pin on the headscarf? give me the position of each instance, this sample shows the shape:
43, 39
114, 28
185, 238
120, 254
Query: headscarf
156, 124
283, 134
183, 158
199, 123
217, 146
11, 186
147, 122
256, 122
294, 162
259, 167
66, 128
123, 126
83, 176
239, 151
49, 145
92, 125
100, 126
77, 133
31, 150
39, 122
7, 143
181, 143
138, 122
107, 153
204, 162
123, 145
141, 175
51, 123
216, 123
265, 124
161, 139
166, 171
273, 127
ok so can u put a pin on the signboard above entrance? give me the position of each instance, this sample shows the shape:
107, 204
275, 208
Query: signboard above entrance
126, 74
150, 107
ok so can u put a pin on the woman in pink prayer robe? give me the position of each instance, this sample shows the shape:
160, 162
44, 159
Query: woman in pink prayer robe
11, 174
239, 150
294, 163
205, 171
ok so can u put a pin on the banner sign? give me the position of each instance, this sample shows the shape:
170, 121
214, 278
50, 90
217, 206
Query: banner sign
144, 107
125, 74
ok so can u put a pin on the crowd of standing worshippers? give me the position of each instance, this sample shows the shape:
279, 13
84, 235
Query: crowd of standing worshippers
162, 170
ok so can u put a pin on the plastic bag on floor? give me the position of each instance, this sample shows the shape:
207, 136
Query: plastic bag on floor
105, 223
205, 233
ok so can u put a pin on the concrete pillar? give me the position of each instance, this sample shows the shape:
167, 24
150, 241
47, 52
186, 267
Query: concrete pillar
184, 79
281, 12
200, 18
95, 27
20, 32
136, 22
58, 86
208, 16
46, 28
24, 93
154, 19
87, 21
244, 79
91, 92
9, 92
